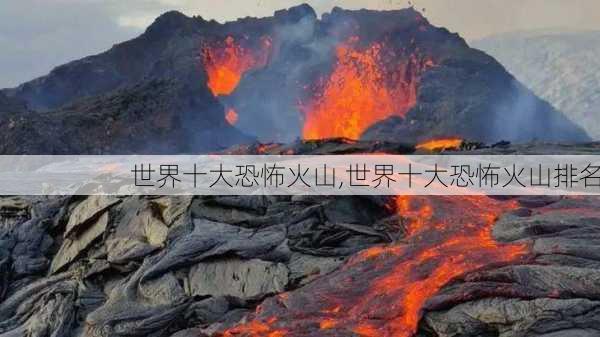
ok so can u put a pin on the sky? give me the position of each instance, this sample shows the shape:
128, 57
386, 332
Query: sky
37, 35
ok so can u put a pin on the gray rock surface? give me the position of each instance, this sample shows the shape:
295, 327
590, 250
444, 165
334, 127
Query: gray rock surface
247, 280
156, 266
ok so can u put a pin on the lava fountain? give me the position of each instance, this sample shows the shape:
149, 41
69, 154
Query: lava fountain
227, 61
382, 291
367, 85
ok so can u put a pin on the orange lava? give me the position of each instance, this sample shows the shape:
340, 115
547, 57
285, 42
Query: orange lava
440, 144
419, 213
231, 116
265, 148
328, 323
367, 85
227, 62
381, 292
255, 329
448, 237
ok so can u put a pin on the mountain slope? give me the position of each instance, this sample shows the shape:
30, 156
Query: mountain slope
382, 75
562, 68
150, 117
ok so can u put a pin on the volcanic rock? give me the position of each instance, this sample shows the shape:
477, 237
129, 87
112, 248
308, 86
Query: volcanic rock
194, 266
250, 279
154, 117
11, 105
143, 266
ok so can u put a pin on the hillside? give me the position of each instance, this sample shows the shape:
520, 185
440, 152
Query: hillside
562, 68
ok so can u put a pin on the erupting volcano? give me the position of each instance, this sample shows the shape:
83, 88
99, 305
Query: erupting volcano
383, 290
365, 74
366, 86
301, 265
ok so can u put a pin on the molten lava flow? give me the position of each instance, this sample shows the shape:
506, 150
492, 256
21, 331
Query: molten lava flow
366, 86
226, 64
443, 246
440, 144
256, 329
419, 215
231, 116
382, 291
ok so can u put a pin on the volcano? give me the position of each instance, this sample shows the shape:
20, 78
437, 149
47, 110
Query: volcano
364, 74
273, 266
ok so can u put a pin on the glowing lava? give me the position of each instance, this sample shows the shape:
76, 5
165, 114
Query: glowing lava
444, 245
367, 85
227, 62
231, 116
382, 291
440, 144
257, 329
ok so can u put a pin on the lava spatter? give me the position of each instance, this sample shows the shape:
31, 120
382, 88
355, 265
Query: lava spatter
227, 61
231, 116
367, 85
